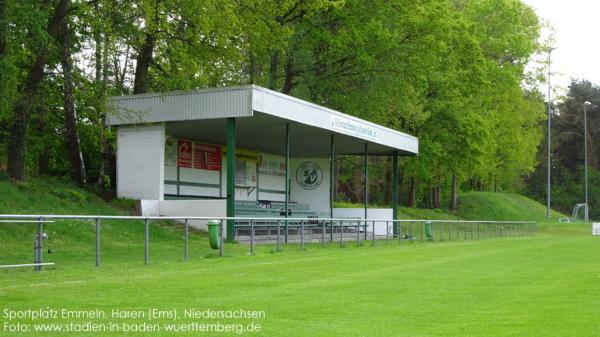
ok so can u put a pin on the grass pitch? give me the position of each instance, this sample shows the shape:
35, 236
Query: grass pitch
543, 285
547, 285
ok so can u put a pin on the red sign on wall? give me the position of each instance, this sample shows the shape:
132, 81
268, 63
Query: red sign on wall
184, 153
207, 157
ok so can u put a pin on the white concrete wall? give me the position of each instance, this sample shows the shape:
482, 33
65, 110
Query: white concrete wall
208, 208
268, 177
317, 198
372, 213
149, 207
140, 161
271, 177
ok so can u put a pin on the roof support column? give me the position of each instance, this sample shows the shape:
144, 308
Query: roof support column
331, 182
231, 178
287, 174
395, 192
366, 186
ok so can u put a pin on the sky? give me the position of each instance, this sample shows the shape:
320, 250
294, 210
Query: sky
576, 27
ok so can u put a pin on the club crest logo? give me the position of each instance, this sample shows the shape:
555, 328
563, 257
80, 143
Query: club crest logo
309, 175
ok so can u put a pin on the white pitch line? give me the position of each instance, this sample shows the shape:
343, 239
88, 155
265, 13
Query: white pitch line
27, 265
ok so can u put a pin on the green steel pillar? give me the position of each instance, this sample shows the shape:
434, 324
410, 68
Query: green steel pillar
366, 191
395, 191
287, 174
331, 183
230, 178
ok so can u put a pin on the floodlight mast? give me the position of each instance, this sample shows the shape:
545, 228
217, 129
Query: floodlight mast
587, 206
548, 197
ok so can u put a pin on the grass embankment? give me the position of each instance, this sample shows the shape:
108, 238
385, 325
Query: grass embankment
481, 206
543, 285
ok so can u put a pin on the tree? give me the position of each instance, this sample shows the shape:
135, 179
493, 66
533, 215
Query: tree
19, 123
568, 152
66, 60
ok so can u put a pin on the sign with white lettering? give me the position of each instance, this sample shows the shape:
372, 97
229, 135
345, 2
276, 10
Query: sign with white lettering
184, 153
207, 157
352, 127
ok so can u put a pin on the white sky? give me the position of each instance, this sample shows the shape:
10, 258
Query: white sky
576, 25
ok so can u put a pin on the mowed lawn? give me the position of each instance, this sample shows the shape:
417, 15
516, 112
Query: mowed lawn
544, 285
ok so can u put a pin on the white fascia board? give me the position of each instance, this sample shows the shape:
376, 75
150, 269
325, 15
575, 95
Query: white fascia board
290, 108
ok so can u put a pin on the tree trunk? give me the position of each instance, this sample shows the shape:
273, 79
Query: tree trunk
101, 39
251, 68
453, 197
98, 48
288, 83
112, 157
273, 70
17, 131
430, 196
75, 156
3, 24
144, 59
412, 195
43, 159
43, 163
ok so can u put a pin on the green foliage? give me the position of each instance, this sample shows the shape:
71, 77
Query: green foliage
49, 196
568, 175
450, 72
484, 287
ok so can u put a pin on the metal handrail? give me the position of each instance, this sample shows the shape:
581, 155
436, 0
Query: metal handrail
524, 228
139, 217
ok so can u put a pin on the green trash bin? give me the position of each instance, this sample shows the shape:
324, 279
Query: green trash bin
429, 229
213, 233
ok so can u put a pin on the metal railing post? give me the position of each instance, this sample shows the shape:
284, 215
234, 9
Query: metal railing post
387, 231
35, 254
278, 235
331, 231
97, 242
342, 233
222, 237
40, 258
251, 237
373, 233
301, 235
323, 233
521, 231
442, 231
146, 241
185, 239
358, 233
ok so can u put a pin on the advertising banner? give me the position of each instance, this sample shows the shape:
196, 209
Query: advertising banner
207, 157
184, 153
